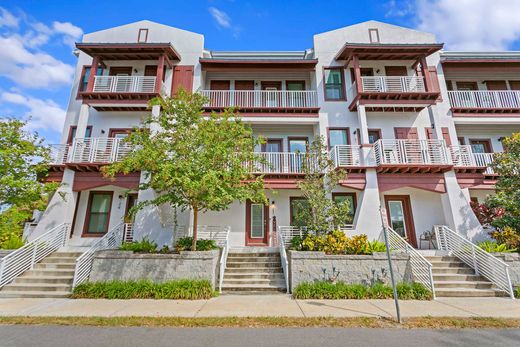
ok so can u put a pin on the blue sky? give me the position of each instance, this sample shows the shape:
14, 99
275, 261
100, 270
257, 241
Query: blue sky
36, 37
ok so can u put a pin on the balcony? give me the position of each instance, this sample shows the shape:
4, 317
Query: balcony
124, 84
481, 102
281, 163
412, 156
464, 160
380, 92
349, 157
89, 152
262, 100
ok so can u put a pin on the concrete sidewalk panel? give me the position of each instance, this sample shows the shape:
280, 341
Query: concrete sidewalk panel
340, 308
251, 306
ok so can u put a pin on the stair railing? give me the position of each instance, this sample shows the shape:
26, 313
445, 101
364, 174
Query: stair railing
283, 257
484, 263
24, 258
111, 240
223, 259
421, 267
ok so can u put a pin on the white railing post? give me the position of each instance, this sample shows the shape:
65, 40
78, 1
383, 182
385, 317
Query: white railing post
475, 264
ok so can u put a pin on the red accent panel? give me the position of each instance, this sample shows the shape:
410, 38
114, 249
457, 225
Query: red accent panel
355, 181
475, 181
182, 77
53, 176
429, 182
89, 180
446, 135
402, 133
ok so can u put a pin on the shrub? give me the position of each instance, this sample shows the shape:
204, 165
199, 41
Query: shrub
145, 289
184, 244
334, 242
143, 246
507, 236
342, 290
376, 246
517, 294
492, 247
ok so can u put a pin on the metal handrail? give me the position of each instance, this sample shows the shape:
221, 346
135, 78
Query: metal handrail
463, 155
283, 257
223, 260
484, 263
421, 267
346, 155
111, 240
410, 151
16, 263
484, 99
124, 84
393, 84
287, 232
129, 232
261, 98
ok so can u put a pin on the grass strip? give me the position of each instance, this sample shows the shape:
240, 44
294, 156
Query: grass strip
269, 322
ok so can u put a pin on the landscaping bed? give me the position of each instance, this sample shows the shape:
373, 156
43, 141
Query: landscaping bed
146, 289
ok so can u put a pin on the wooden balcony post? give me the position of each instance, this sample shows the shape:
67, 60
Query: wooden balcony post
93, 71
426, 74
159, 76
357, 73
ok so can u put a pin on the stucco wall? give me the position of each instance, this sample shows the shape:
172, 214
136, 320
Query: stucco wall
127, 266
4, 252
309, 266
513, 260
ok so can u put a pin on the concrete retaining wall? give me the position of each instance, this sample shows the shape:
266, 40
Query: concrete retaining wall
365, 269
513, 260
127, 266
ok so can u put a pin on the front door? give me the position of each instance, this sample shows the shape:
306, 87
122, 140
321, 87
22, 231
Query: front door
298, 148
399, 212
271, 96
274, 157
257, 224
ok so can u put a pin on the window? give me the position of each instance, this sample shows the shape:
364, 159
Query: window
334, 84
481, 146
85, 77
338, 137
373, 35
350, 200
374, 135
142, 37
98, 213
72, 133
299, 210
295, 85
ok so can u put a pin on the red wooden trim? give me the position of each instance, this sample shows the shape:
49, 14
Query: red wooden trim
353, 194
347, 130
69, 137
354, 180
90, 180
409, 130
277, 139
343, 87
75, 214
89, 206
446, 135
408, 217
488, 141
426, 74
256, 241
93, 69
182, 77
80, 84
429, 182
159, 76
114, 131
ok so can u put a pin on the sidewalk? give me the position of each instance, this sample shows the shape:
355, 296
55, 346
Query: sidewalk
261, 306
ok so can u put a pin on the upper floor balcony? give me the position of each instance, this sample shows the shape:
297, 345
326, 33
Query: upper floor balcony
125, 84
465, 160
481, 102
262, 100
282, 163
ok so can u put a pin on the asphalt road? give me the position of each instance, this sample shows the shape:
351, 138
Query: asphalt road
98, 336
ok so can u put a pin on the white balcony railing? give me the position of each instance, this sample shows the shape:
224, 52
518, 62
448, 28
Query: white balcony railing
90, 150
261, 98
463, 156
411, 152
281, 163
485, 99
346, 155
392, 84
124, 84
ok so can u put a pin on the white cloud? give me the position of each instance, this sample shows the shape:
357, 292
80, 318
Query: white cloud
221, 17
71, 33
7, 19
41, 114
467, 25
31, 69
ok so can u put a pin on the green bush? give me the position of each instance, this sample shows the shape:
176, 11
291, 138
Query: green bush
143, 246
184, 244
517, 294
336, 242
342, 290
376, 246
145, 289
494, 247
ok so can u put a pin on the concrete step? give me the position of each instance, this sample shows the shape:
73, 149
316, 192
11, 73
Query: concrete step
254, 260
252, 264
237, 270
37, 287
58, 260
252, 288
247, 255
44, 279
235, 281
448, 264
253, 275
467, 292
39, 266
49, 272
33, 294
441, 258
463, 284
457, 277
67, 254
453, 270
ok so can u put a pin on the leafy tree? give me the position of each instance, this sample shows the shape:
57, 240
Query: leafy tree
318, 211
23, 158
193, 161
507, 166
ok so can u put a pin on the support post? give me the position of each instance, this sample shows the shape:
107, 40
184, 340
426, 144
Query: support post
384, 220
93, 71
426, 74
159, 76
357, 73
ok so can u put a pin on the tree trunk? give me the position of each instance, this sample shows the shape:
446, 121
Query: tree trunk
195, 221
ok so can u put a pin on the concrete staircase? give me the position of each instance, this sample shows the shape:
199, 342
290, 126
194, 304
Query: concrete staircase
249, 272
50, 278
453, 278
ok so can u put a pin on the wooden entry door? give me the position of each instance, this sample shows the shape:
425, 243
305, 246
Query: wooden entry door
220, 93
244, 95
400, 218
406, 133
271, 95
257, 224
396, 71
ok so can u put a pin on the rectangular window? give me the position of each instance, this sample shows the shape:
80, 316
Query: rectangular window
374, 135
257, 220
142, 37
373, 34
85, 77
350, 200
334, 84
98, 212
72, 133
299, 211
338, 137
481, 146
295, 85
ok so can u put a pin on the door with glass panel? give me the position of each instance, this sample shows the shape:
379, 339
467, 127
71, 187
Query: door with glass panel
273, 149
298, 150
257, 224
400, 219
98, 213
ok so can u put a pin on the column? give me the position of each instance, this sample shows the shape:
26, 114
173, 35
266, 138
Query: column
159, 76
93, 70
81, 126
426, 74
